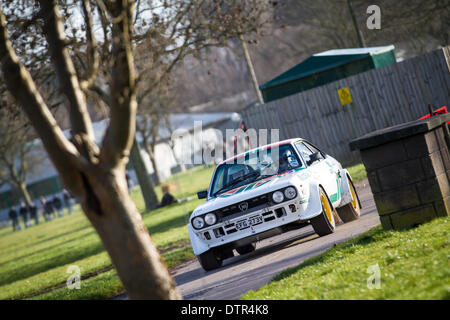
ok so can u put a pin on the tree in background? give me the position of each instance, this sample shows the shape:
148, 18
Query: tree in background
106, 67
166, 33
20, 156
190, 28
16, 158
95, 175
154, 109
413, 22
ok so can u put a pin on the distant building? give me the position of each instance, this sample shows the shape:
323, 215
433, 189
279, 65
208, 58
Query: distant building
326, 67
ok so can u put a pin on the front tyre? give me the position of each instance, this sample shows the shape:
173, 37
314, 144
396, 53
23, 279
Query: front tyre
324, 223
209, 261
352, 210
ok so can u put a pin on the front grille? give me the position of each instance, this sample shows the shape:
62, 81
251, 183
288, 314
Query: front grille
232, 211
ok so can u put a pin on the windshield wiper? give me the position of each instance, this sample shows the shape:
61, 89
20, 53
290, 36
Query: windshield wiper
235, 182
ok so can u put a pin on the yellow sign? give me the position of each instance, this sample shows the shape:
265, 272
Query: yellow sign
345, 96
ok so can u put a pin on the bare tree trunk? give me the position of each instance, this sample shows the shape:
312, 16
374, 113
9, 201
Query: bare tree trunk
251, 70
125, 237
151, 153
172, 144
147, 187
95, 176
24, 191
180, 163
359, 35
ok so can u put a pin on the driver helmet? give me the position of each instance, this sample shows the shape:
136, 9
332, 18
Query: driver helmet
285, 155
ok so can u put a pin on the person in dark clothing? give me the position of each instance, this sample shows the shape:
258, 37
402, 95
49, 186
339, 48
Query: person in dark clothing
67, 201
48, 209
57, 203
23, 211
14, 218
44, 214
167, 198
33, 213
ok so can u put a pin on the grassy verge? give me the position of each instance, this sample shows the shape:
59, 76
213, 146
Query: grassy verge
413, 264
107, 284
357, 172
34, 262
34, 267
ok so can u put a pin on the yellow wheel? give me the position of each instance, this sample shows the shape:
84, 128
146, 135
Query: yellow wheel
324, 223
327, 208
350, 211
354, 198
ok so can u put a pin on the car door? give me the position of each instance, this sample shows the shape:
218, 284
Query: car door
322, 169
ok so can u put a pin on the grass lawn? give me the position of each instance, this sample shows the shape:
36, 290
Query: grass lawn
34, 261
413, 264
357, 172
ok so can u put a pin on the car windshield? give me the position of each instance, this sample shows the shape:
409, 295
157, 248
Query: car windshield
253, 166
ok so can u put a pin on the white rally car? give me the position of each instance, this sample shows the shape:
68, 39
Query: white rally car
267, 191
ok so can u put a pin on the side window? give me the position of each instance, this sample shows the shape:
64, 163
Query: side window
312, 148
304, 151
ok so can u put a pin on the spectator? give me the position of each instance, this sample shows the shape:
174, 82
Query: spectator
167, 198
23, 211
67, 201
14, 218
42, 201
57, 203
33, 213
47, 208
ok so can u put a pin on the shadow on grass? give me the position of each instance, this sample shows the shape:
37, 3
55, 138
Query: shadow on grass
42, 241
51, 247
73, 254
166, 225
70, 255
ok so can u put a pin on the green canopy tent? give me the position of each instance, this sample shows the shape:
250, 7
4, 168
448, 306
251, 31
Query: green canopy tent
325, 67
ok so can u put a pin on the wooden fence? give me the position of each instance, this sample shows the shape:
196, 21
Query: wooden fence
380, 98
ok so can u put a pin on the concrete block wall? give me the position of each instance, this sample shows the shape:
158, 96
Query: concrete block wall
410, 178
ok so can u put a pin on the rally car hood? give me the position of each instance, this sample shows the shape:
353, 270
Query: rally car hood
254, 189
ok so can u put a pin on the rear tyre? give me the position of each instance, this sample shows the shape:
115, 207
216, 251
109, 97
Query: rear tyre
350, 211
324, 223
209, 261
246, 249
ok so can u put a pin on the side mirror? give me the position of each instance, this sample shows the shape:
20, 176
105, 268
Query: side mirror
314, 157
202, 194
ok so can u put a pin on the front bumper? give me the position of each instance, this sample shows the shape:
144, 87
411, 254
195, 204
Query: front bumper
226, 232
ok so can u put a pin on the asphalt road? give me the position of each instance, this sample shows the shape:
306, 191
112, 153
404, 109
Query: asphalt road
240, 274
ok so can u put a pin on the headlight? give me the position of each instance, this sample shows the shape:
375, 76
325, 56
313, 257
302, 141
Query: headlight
210, 218
277, 196
290, 193
198, 223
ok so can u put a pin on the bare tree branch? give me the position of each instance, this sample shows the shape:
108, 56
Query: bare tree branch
21, 85
92, 53
65, 69
118, 139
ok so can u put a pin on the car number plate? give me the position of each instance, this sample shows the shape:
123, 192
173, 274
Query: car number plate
242, 224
